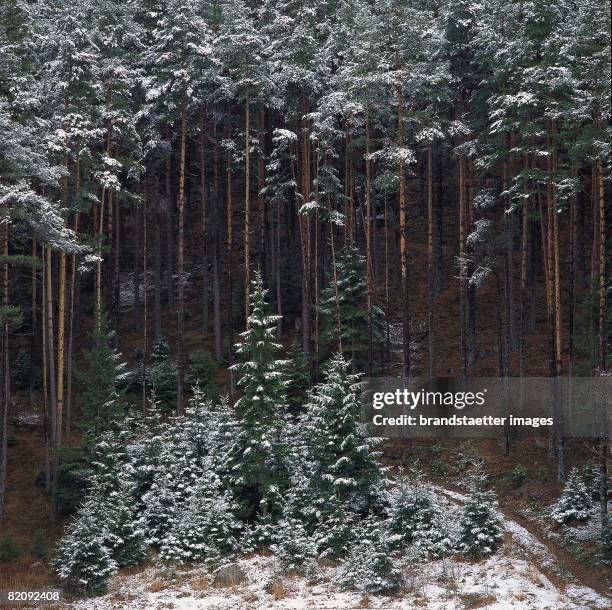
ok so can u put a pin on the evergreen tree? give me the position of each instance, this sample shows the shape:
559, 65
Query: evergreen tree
298, 378
480, 532
162, 376
295, 549
352, 295
369, 566
574, 502
102, 383
414, 517
83, 559
204, 528
259, 469
342, 458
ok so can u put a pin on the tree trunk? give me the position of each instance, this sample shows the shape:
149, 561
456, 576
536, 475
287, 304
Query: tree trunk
180, 356
602, 267
462, 270
157, 267
55, 421
145, 293
403, 219
203, 198
169, 234
5, 380
247, 212
368, 235
229, 215
430, 262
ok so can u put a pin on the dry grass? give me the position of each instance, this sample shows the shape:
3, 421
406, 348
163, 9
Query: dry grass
276, 590
475, 600
157, 585
365, 601
421, 602
520, 596
200, 583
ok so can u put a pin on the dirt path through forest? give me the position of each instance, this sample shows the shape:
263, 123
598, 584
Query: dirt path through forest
560, 556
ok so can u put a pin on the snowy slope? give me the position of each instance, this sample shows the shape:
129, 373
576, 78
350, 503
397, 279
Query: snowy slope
514, 578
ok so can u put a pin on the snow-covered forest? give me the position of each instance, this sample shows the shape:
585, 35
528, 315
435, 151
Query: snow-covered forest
217, 215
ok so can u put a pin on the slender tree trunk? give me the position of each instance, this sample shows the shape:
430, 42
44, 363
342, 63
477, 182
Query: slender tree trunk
157, 268
5, 380
368, 236
55, 421
98, 280
34, 306
430, 262
169, 233
180, 401
145, 293
524, 272
462, 269
229, 214
217, 300
305, 241
247, 211
403, 218
45, 371
277, 270
387, 291
71, 319
203, 197
602, 267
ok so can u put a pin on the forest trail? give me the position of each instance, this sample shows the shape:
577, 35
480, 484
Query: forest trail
550, 558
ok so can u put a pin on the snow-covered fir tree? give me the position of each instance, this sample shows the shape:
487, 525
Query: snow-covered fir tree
344, 478
344, 312
83, 560
102, 402
205, 527
574, 502
479, 528
369, 565
259, 468
415, 518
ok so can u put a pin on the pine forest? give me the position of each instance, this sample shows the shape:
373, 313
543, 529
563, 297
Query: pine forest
217, 218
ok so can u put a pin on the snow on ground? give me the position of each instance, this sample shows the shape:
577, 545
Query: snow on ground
512, 579
501, 582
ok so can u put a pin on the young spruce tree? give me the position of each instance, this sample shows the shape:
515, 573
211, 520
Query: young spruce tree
259, 467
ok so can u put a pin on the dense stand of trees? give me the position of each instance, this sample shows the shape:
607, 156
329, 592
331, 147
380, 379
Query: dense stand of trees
190, 143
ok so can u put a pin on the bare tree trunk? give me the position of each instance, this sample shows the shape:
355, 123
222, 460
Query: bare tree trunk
403, 218
368, 236
5, 381
217, 299
157, 268
247, 212
71, 318
45, 371
305, 241
203, 197
55, 421
229, 214
180, 400
277, 270
34, 306
462, 269
602, 268
169, 233
387, 293
430, 262
145, 294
